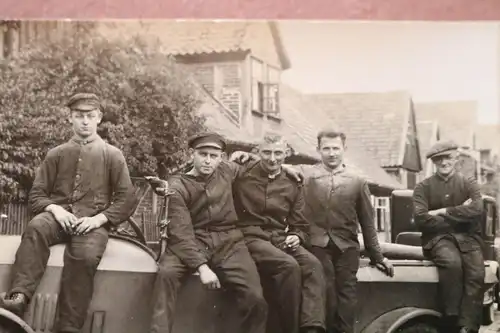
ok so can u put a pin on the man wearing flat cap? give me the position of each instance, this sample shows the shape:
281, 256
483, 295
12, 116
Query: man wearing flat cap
81, 188
447, 210
203, 238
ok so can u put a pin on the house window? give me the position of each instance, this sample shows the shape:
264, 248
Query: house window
257, 85
265, 88
381, 207
381, 214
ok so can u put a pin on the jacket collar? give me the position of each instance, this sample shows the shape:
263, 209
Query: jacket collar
87, 140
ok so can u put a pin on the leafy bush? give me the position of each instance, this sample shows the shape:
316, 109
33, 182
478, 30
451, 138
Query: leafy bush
149, 104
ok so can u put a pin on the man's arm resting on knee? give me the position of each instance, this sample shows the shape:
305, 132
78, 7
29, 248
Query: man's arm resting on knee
87, 224
182, 241
62, 216
208, 277
124, 198
45, 177
298, 224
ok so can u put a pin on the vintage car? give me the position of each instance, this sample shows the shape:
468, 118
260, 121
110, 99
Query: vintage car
406, 303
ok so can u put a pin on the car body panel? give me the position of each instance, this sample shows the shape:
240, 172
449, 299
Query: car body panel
126, 275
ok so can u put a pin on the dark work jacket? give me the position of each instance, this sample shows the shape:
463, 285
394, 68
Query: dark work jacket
200, 205
460, 221
335, 203
86, 177
269, 206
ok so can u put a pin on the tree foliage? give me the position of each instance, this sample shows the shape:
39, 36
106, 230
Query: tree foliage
149, 104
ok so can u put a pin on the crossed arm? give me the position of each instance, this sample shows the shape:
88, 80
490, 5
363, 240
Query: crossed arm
439, 219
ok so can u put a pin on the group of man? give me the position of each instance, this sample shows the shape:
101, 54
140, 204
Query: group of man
241, 220
234, 222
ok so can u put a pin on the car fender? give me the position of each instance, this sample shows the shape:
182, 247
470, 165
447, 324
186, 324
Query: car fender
390, 321
10, 317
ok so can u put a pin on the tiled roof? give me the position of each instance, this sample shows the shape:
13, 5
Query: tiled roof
218, 119
189, 37
376, 122
456, 119
301, 122
426, 131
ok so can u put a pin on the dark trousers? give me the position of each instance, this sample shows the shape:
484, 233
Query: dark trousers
298, 282
461, 279
340, 269
236, 271
81, 258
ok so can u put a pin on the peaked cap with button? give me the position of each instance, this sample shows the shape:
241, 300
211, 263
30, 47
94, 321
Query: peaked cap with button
207, 139
84, 102
441, 148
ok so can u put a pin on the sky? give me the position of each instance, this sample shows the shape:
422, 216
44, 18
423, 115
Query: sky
434, 61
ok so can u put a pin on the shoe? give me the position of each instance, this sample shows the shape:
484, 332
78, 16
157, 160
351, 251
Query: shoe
312, 330
449, 324
16, 303
465, 329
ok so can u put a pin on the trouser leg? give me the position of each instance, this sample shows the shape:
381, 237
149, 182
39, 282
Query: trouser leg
238, 273
472, 299
324, 255
312, 312
81, 259
166, 288
284, 275
33, 253
346, 265
448, 261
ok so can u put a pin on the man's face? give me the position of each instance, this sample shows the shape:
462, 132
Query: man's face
206, 160
85, 123
331, 151
445, 164
272, 156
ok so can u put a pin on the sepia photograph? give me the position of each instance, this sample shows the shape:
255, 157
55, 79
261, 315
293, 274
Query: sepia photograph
249, 176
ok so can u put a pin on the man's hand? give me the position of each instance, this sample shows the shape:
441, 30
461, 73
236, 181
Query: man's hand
436, 212
241, 157
385, 267
62, 216
467, 202
292, 242
86, 224
159, 186
293, 172
208, 278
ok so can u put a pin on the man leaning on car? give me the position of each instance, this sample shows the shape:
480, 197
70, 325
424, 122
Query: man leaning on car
451, 237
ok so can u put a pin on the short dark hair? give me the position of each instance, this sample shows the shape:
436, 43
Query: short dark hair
331, 133
271, 137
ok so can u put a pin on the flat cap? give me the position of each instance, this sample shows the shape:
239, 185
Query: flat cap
207, 139
441, 148
84, 102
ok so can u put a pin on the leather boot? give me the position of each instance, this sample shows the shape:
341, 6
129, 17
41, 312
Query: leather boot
16, 303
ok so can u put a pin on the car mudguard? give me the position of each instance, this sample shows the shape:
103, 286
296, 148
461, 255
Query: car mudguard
390, 321
10, 317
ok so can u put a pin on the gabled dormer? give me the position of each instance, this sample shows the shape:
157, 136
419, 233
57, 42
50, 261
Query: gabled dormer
238, 62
